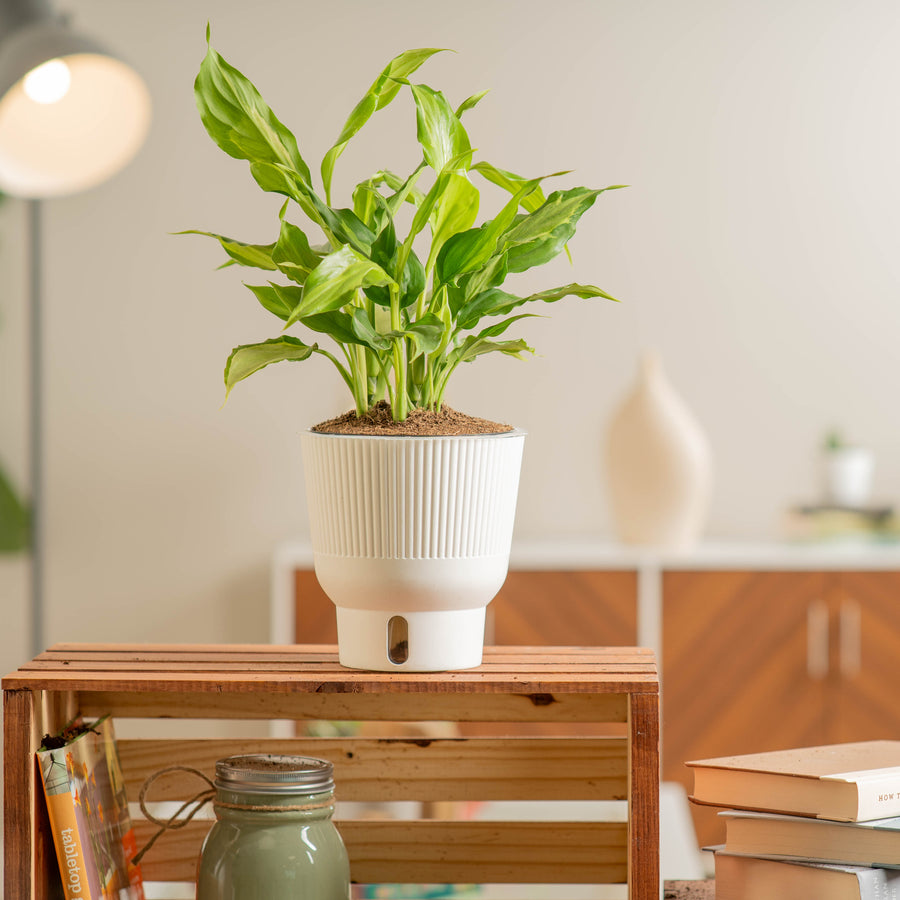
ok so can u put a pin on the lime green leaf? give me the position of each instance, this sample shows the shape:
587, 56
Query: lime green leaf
366, 333
250, 358
425, 333
292, 253
584, 291
440, 132
382, 91
277, 299
256, 255
470, 102
335, 324
455, 211
511, 182
496, 302
473, 249
334, 281
539, 236
239, 121
475, 346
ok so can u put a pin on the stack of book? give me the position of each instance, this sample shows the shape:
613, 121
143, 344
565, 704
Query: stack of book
816, 823
830, 523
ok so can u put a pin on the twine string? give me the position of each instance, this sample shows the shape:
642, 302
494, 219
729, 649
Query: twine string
198, 801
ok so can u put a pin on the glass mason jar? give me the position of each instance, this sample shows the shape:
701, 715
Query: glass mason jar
273, 838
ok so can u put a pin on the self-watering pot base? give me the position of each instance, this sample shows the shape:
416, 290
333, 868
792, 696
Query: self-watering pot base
416, 641
411, 539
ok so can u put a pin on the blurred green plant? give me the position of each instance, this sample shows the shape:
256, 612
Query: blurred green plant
14, 517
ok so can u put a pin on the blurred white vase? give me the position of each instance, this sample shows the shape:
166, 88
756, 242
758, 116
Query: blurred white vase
658, 465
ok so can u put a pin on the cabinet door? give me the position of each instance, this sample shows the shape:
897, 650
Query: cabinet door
745, 669
546, 608
865, 657
565, 609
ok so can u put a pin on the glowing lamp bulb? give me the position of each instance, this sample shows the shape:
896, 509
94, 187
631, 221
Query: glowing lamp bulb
49, 82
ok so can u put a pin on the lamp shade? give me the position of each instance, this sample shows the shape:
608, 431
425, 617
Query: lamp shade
71, 114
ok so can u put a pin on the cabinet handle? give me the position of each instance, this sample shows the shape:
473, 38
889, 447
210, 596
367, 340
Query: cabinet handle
817, 640
851, 638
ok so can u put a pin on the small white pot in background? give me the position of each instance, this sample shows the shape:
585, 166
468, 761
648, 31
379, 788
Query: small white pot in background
848, 475
411, 539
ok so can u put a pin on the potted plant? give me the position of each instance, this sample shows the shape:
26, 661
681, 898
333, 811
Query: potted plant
411, 504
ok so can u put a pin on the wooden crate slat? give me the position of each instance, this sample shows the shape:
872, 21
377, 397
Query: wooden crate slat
380, 770
573, 689
361, 707
326, 652
438, 852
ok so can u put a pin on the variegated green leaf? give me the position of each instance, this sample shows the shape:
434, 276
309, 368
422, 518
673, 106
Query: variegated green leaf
238, 119
539, 236
332, 283
470, 102
455, 211
471, 250
382, 91
258, 256
292, 253
250, 358
440, 132
276, 298
511, 182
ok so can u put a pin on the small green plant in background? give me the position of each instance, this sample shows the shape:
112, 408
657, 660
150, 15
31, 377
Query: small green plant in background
402, 320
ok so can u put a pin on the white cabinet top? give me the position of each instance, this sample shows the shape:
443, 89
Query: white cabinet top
586, 552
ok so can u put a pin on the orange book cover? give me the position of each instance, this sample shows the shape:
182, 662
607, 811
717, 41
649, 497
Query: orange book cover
88, 810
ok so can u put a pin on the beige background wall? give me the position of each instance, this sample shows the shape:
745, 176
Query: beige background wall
756, 250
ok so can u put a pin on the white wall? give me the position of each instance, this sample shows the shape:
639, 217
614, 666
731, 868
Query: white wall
755, 249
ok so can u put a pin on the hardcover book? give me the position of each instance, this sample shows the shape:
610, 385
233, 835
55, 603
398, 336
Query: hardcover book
88, 811
845, 782
753, 878
872, 843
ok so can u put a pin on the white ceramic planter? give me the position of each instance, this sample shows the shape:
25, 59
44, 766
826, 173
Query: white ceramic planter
411, 540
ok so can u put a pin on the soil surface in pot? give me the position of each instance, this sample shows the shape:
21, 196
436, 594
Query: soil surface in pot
420, 422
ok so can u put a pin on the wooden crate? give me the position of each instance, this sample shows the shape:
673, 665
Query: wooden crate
572, 686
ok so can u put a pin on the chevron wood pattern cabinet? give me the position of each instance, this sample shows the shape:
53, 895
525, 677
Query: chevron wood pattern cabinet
756, 661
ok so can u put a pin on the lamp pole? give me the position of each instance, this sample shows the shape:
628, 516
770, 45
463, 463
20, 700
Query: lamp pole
36, 423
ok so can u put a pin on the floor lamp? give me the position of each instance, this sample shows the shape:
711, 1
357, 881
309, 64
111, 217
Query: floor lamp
71, 115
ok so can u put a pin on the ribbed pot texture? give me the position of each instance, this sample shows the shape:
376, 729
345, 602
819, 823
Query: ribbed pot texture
406, 526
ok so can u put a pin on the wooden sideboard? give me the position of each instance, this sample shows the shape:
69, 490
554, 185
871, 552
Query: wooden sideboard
761, 647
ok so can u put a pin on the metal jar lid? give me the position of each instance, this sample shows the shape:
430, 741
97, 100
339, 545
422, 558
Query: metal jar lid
266, 773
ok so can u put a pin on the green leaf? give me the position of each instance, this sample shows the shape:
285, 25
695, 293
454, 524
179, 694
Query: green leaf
250, 358
257, 255
366, 333
496, 302
382, 91
440, 132
473, 249
539, 236
239, 121
292, 253
332, 283
425, 333
584, 291
277, 299
470, 102
336, 324
475, 346
511, 182
455, 211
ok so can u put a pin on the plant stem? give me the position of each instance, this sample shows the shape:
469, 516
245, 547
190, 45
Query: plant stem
400, 406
